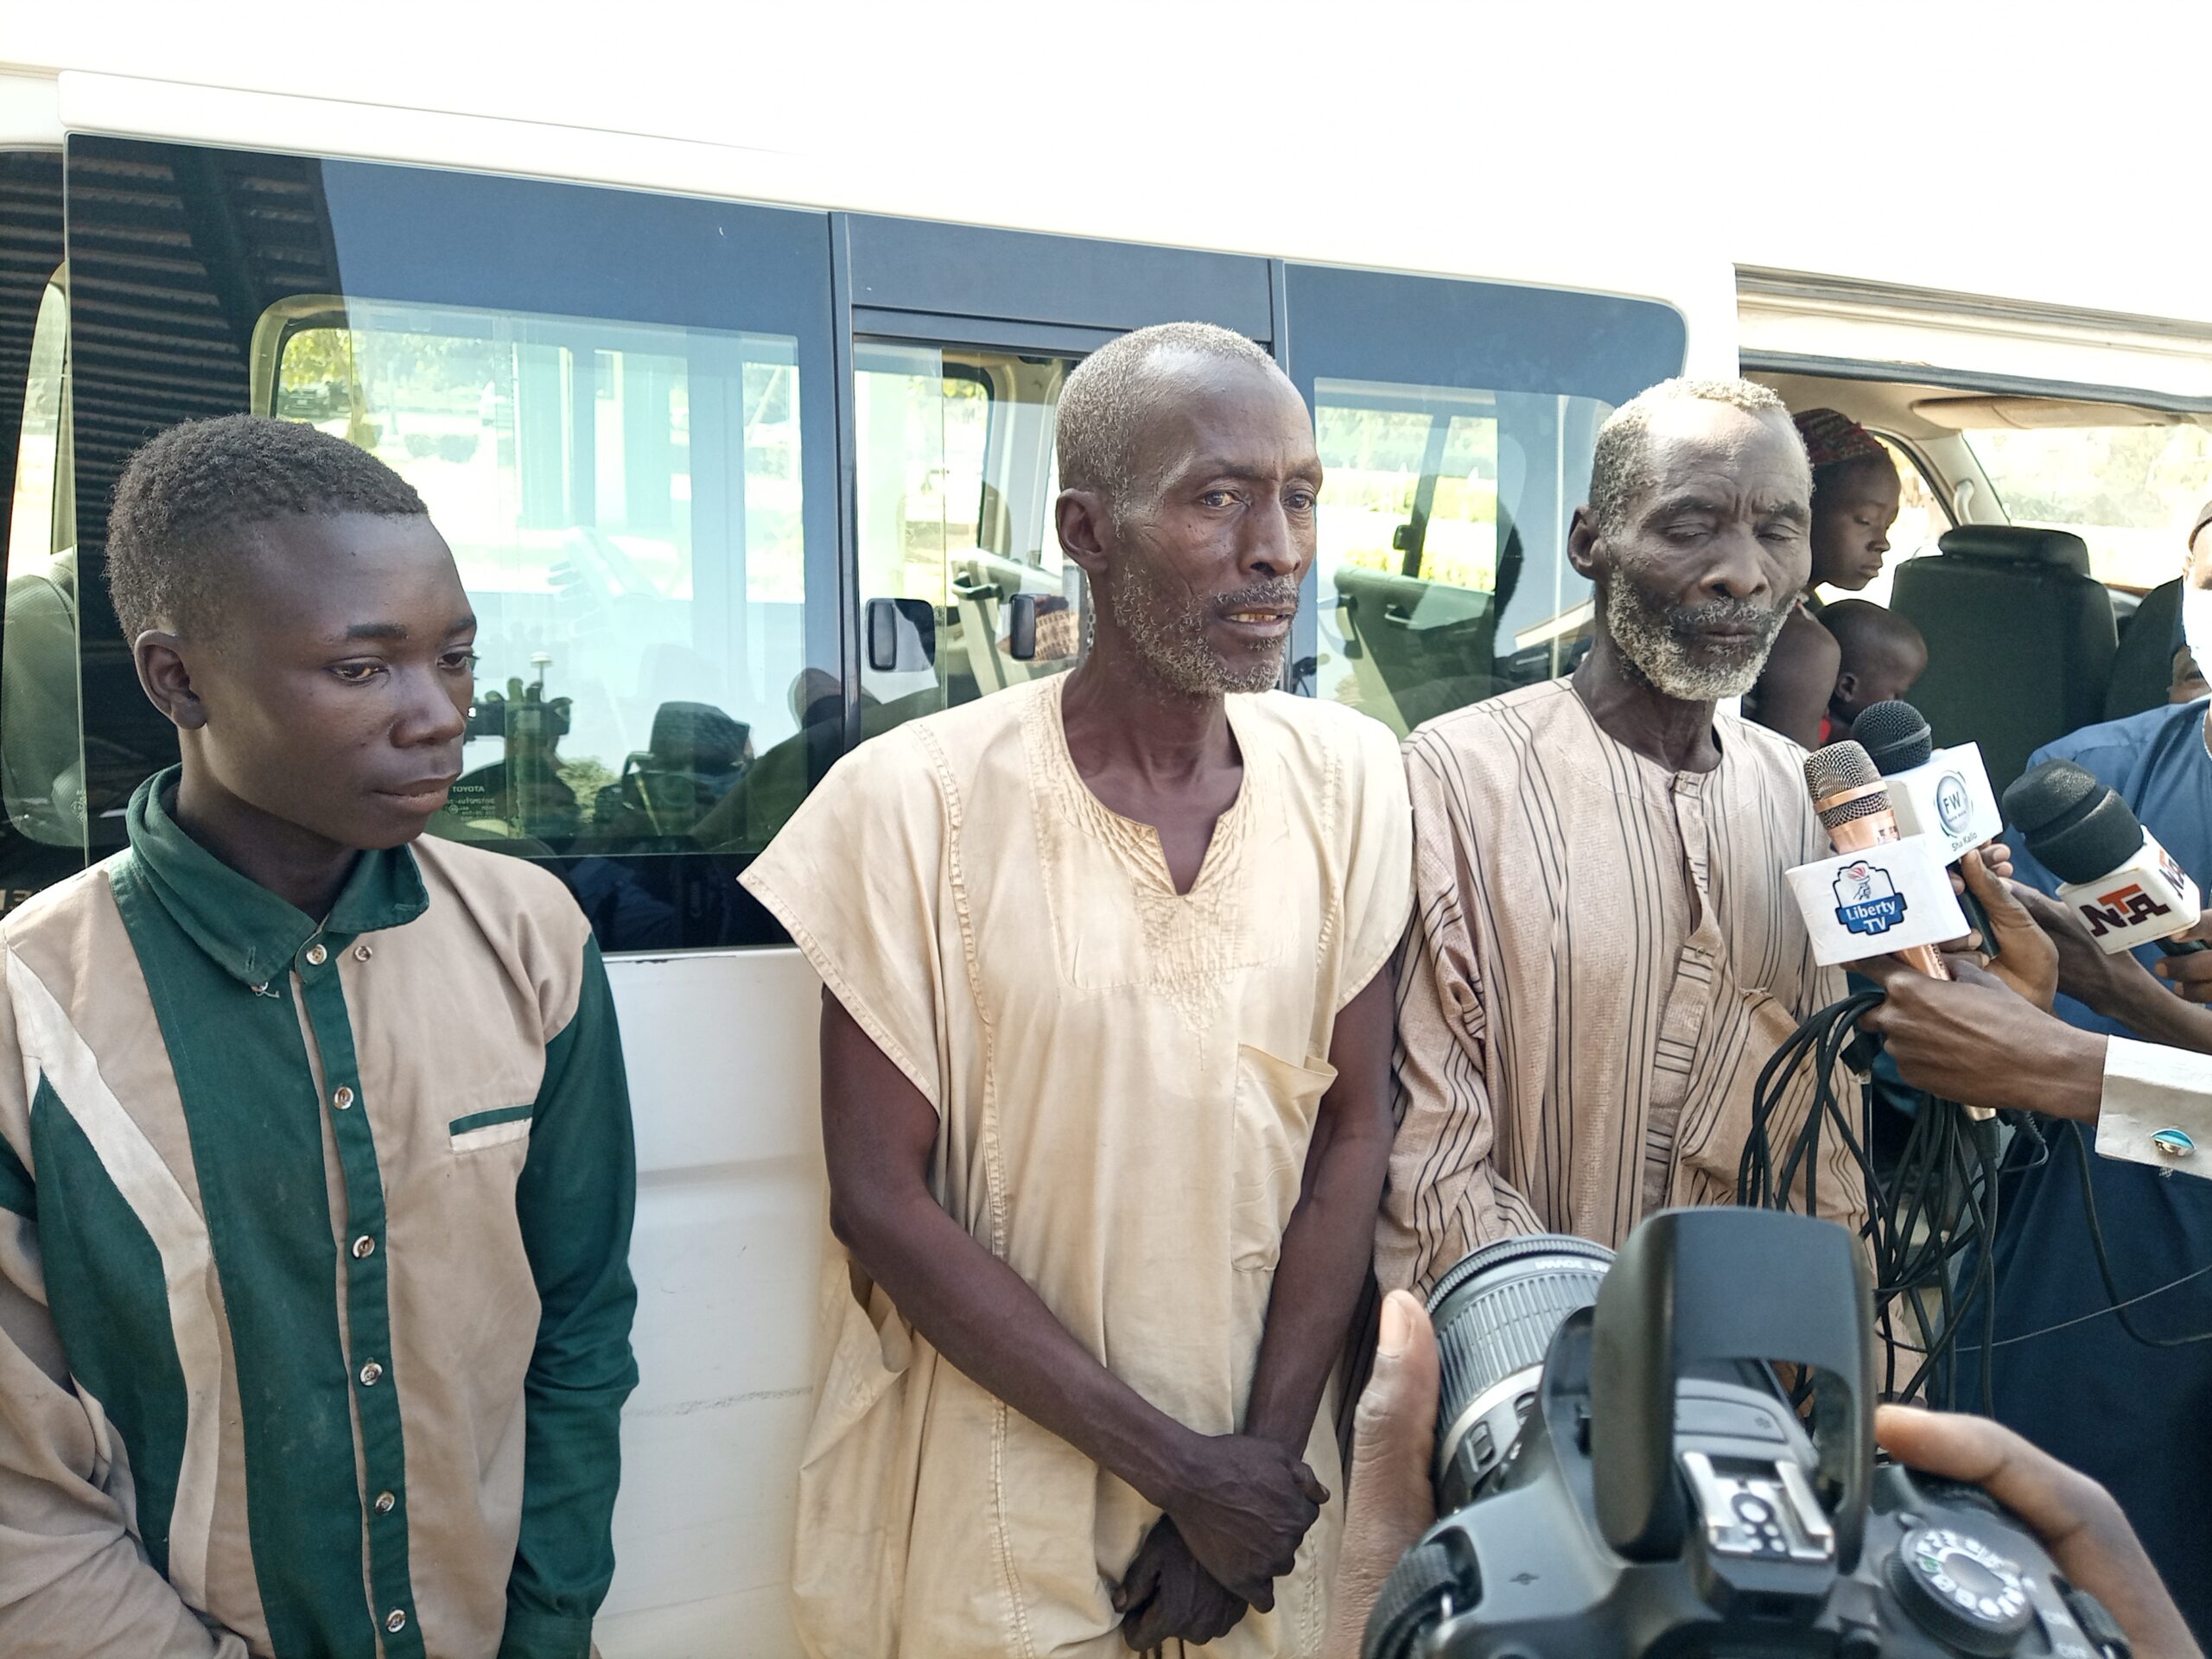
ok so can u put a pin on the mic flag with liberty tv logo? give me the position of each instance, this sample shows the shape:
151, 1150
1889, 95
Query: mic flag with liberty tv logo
1877, 900
1866, 901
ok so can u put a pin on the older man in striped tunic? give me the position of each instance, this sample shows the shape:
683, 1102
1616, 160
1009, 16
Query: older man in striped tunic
1604, 953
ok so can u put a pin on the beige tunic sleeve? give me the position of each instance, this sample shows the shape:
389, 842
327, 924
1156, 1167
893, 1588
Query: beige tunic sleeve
73, 1582
1445, 1196
1378, 867
858, 877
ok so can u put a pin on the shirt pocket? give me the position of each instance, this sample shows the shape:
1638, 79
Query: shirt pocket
500, 1126
1276, 1107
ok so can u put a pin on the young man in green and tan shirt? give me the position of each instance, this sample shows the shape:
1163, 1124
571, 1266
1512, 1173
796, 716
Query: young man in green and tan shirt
315, 1161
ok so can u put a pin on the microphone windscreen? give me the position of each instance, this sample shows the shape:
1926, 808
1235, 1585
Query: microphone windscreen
1838, 767
2079, 829
1843, 769
2093, 846
2049, 797
1895, 736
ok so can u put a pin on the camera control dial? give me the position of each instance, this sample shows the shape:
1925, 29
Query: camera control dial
1961, 1591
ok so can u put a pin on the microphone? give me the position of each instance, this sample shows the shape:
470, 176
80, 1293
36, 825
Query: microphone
1854, 808
2124, 886
1943, 794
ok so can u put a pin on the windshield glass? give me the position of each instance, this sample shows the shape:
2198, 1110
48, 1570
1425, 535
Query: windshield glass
2129, 492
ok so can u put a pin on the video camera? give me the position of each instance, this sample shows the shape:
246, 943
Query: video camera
1620, 1472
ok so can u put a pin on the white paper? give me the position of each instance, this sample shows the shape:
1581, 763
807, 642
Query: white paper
1861, 905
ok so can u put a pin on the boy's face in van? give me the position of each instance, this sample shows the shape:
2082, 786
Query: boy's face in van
1883, 671
326, 708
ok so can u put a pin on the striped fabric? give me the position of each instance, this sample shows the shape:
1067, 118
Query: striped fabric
315, 1306
1604, 954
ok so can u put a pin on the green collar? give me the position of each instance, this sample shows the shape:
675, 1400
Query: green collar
252, 933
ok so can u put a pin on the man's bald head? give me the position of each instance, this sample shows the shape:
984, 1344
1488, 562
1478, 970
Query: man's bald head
1103, 408
1623, 470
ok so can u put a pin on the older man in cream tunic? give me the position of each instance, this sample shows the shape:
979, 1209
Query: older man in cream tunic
1106, 1037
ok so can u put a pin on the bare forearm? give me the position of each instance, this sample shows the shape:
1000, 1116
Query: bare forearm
984, 1317
2154, 1014
2069, 1082
1324, 1260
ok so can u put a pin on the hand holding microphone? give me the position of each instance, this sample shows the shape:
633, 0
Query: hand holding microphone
1980, 1043
2020, 950
1943, 794
1853, 805
2188, 966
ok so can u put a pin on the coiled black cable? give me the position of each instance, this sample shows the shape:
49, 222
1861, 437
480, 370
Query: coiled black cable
1939, 1202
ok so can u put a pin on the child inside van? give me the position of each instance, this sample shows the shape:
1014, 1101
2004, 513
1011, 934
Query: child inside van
1883, 655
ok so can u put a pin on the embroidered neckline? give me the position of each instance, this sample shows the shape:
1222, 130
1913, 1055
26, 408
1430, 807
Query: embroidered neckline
1136, 845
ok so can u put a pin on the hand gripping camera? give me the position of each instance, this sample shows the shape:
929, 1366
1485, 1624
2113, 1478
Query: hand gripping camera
1620, 1473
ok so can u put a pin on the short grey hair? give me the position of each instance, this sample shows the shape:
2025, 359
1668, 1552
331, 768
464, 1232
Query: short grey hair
1621, 473
1103, 405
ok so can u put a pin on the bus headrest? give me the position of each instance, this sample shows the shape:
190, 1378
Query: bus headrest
2016, 544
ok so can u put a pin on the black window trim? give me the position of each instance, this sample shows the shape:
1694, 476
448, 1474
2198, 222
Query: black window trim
922, 282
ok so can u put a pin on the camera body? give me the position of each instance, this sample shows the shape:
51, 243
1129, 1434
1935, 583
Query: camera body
1649, 1490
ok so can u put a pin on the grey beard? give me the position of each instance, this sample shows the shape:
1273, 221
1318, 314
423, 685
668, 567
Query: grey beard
1657, 649
1172, 642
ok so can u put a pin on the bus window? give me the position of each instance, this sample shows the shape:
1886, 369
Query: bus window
626, 683
955, 475
2126, 488
42, 832
633, 459
1431, 592
1456, 421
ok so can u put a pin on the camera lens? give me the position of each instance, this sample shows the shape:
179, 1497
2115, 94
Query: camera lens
1495, 1315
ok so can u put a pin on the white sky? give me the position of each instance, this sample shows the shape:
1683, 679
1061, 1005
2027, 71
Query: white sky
2040, 150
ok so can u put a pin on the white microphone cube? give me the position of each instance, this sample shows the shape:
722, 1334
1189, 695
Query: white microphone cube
1883, 898
1947, 798
2148, 899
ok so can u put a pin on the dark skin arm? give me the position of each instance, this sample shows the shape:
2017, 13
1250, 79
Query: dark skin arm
1971, 1040
1794, 688
1243, 1502
1324, 1260
2118, 986
2190, 975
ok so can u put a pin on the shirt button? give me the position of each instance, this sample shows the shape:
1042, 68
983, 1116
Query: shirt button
386, 1503
317, 956
364, 1247
369, 1373
362, 953
341, 1096
396, 1620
